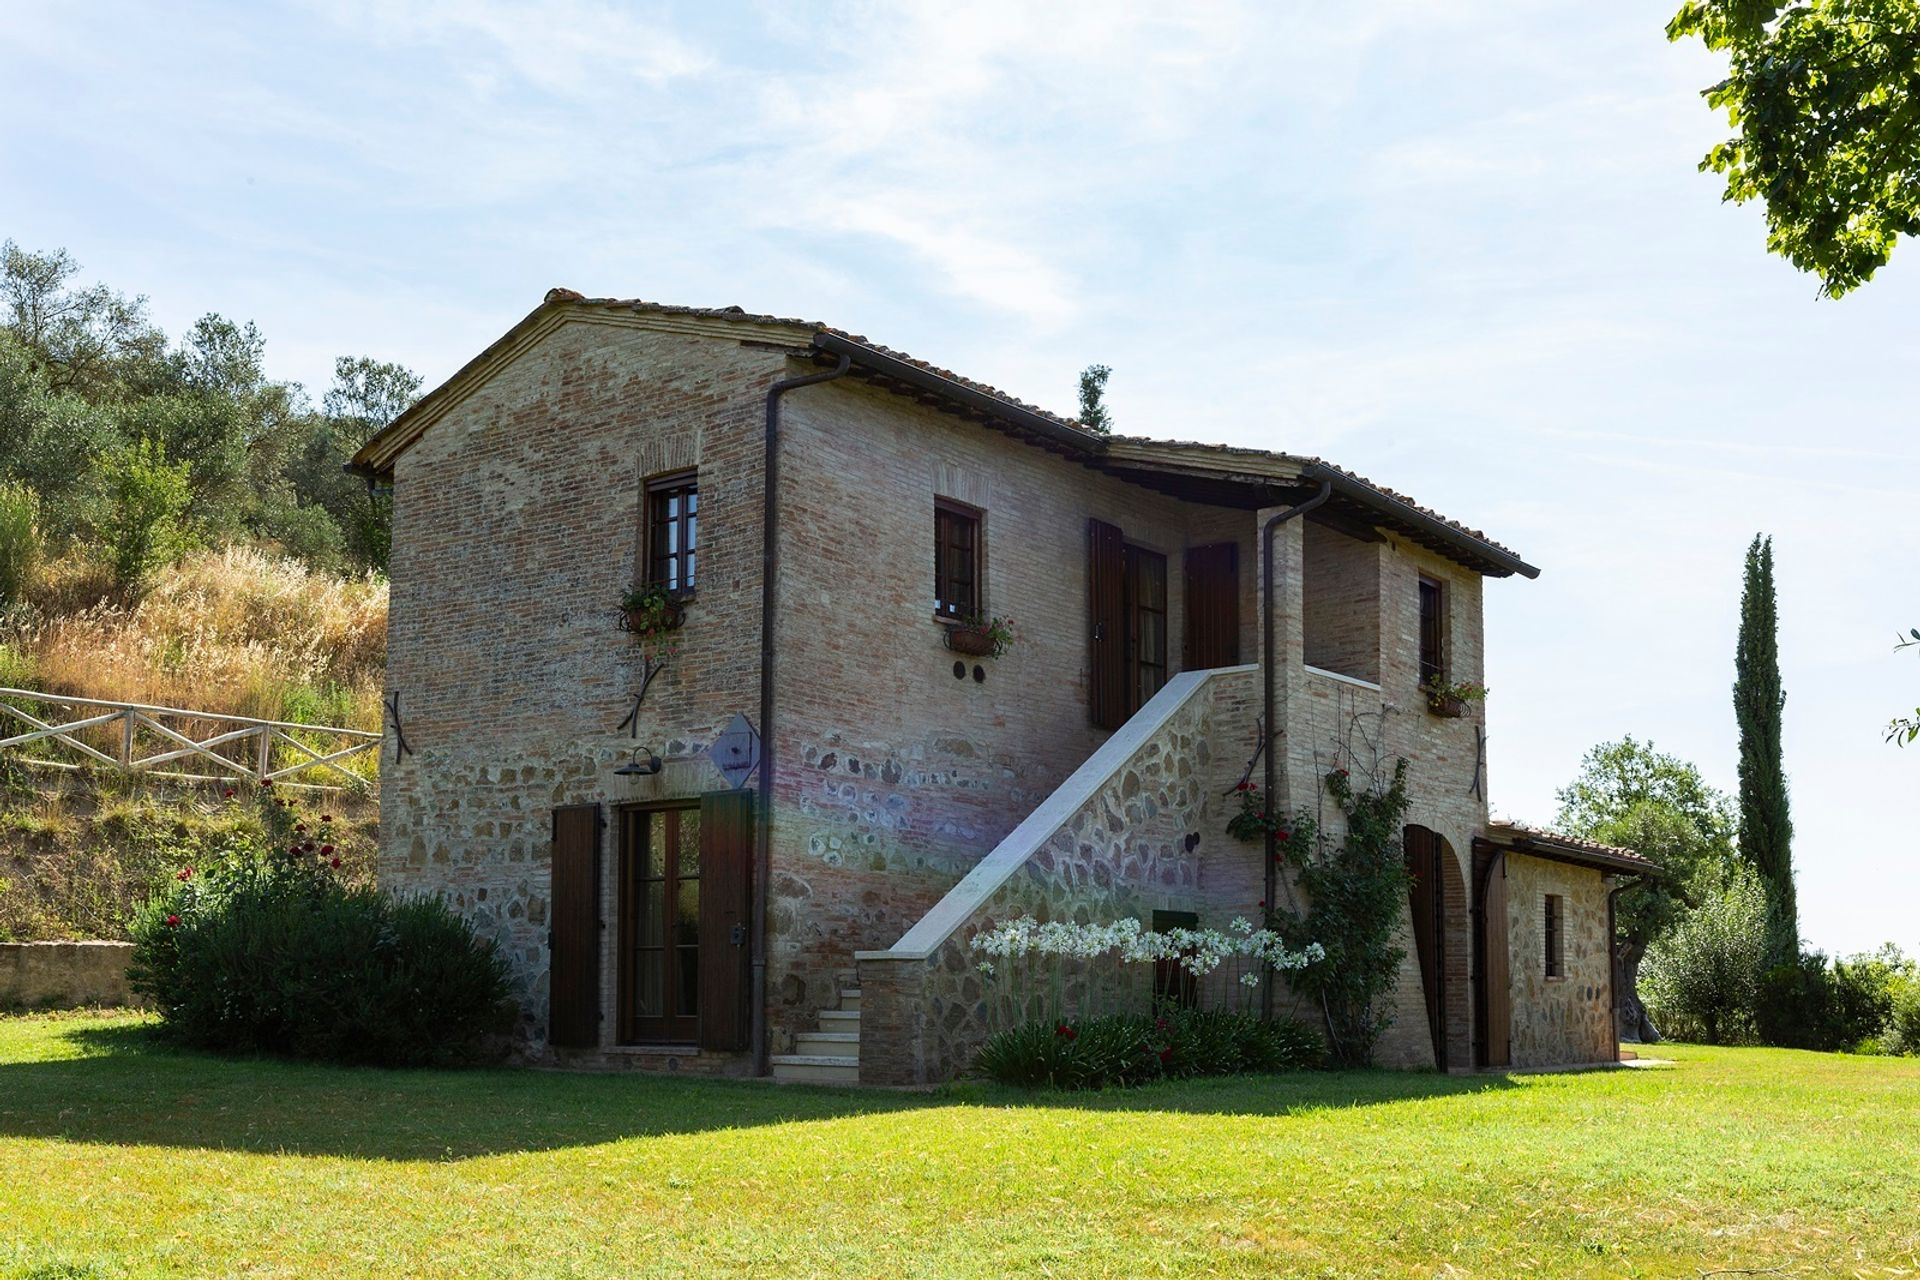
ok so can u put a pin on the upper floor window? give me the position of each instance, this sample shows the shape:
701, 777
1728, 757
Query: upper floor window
673, 531
956, 560
1555, 928
1433, 606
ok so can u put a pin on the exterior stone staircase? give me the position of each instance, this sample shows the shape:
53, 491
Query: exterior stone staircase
830, 1055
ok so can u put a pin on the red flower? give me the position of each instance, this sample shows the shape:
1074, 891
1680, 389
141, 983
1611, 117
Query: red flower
173, 922
1263, 904
325, 849
266, 782
299, 826
1283, 834
229, 793
184, 873
326, 817
1166, 1054
1341, 772
1159, 1024
335, 864
1066, 1032
1243, 786
1261, 816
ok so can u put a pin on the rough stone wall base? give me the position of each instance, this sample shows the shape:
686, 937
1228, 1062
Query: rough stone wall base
65, 975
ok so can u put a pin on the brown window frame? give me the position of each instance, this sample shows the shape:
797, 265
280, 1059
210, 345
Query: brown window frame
1145, 678
955, 599
1554, 935
670, 1025
1433, 631
673, 535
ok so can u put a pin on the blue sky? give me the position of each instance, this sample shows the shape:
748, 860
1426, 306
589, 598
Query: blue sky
1460, 248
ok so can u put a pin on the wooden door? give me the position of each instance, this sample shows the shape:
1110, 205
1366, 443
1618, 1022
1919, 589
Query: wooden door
1492, 982
1427, 904
726, 916
573, 937
1211, 637
1107, 625
660, 918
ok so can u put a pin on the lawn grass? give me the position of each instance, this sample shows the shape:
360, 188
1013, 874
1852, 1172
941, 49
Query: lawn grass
120, 1157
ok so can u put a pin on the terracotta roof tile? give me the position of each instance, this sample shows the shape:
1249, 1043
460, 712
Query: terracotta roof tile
1523, 831
741, 314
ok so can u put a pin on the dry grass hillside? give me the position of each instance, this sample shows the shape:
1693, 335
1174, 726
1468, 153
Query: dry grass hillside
236, 631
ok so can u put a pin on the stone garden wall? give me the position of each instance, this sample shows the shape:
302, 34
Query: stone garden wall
65, 975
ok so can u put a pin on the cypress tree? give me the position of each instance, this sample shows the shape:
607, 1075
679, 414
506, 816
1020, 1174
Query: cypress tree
1766, 828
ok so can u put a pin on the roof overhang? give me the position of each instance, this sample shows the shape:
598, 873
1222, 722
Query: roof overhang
1218, 475
1555, 847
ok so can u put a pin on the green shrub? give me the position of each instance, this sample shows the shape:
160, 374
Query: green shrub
1903, 1026
1701, 979
1845, 1006
1128, 1049
271, 953
144, 500
19, 542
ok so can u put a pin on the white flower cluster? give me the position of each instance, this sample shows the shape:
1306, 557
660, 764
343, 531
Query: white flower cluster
1198, 951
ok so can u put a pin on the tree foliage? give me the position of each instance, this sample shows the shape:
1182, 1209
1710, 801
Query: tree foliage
94, 398
1629, 794
1824, 99
1093, 399
1701, 978
1766, 826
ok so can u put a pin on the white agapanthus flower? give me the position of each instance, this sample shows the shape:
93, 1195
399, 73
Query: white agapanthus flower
1199, 951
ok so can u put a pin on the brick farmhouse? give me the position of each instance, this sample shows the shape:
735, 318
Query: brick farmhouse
827, 516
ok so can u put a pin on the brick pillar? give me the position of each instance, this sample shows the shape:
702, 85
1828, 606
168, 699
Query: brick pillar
1286, 674
893, 1017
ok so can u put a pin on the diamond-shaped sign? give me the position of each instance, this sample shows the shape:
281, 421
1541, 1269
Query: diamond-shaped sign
736, 752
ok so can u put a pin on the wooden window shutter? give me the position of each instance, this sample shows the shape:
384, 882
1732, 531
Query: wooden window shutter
573, 940
726, 917
1107, 624
1212, 634
1499, 1032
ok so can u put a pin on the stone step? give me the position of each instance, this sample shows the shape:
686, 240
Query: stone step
831, 1043
839, 1019
815, 1068
850, 1000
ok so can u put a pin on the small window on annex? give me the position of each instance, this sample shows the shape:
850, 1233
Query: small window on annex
956, 561
1554, 931
673, 531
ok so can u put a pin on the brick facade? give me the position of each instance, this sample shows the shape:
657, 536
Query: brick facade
516, 527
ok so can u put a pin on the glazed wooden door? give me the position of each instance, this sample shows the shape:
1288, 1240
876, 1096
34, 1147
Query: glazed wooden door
660, 934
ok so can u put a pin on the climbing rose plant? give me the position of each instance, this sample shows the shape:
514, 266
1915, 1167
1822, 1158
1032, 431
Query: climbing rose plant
1355, 892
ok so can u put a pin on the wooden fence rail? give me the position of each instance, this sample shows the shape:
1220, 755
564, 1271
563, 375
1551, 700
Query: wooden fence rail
252, 745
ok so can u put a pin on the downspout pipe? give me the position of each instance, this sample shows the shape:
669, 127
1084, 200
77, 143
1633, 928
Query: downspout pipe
763, 815
1268, 729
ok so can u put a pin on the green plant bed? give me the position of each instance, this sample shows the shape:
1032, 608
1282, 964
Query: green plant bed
1129, 1049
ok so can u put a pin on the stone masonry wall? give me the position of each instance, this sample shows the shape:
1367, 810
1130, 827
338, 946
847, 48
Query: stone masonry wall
1150, 837
65, 975
897, 776
516, 523
1567, 1019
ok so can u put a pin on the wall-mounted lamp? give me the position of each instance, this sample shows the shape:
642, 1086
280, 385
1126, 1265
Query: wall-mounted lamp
638, 768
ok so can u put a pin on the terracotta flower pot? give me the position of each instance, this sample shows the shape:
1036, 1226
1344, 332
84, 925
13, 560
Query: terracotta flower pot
975, 642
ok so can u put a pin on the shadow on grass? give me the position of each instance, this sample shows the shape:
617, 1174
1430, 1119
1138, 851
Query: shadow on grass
130, 1086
